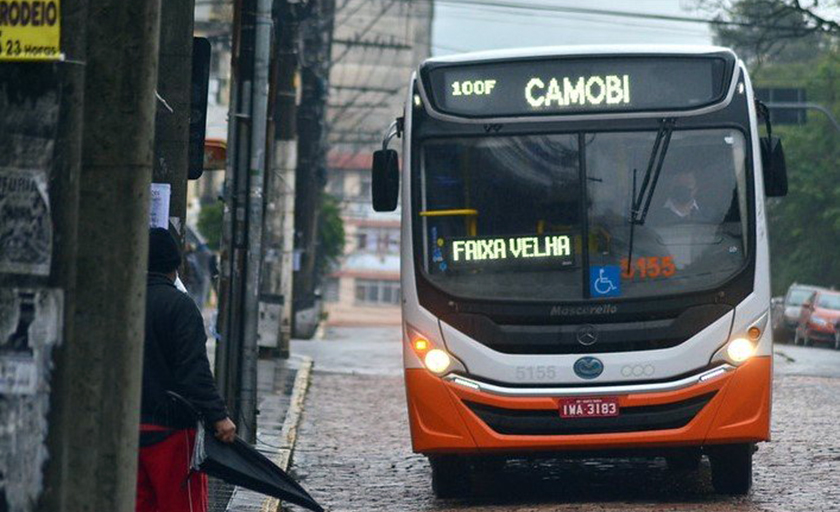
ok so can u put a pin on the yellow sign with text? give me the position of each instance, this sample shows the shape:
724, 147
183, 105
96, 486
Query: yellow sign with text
30, 30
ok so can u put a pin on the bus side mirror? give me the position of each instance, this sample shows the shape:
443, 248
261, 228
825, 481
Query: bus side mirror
775, 169
385, 182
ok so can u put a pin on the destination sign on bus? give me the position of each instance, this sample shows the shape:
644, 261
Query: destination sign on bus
554, 249
574, 86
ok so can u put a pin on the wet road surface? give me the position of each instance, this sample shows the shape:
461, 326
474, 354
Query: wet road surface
354, 453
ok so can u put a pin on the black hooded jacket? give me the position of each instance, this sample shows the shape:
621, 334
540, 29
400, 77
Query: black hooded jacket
175, 359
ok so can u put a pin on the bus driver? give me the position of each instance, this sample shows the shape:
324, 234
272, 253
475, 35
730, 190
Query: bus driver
681, 204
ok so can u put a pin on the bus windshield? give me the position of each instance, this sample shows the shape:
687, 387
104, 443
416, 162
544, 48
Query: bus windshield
548, 217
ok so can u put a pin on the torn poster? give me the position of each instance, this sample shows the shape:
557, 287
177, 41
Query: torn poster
25, 223
31, 324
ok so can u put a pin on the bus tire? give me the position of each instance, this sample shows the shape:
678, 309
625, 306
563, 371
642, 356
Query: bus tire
732, 468
450, 476
837, 337
687, 459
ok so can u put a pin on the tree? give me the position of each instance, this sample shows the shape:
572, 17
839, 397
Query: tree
788, 44
805, 225
330, 235
777, 30
210, 223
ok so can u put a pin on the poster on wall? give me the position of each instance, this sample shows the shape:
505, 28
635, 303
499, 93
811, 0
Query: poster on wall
30, 30
25, 223
159, 207
31, 324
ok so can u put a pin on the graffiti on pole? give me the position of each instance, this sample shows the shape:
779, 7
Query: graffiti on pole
30, 328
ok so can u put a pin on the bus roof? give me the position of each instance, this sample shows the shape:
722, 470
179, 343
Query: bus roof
559, 51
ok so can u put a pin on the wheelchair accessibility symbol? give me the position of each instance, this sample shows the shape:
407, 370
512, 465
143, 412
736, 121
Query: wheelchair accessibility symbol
605, 281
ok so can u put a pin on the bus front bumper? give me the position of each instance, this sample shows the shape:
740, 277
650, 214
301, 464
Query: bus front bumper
450, 417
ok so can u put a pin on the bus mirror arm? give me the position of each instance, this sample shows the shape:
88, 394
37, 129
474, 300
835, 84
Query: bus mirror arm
772, 157
394, 130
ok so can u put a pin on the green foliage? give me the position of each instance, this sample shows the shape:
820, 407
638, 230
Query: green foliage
330, 235
789, 44
773, 30
805, 225
210, 223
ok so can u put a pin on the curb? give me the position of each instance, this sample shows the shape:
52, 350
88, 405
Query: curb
288, 434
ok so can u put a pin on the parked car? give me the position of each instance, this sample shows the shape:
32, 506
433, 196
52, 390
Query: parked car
818, 322
795, 297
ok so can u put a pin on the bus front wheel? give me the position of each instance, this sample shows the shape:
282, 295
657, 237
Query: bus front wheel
450, 476
732, 468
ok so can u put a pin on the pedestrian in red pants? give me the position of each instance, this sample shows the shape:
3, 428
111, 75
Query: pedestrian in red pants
164, 480
174, 359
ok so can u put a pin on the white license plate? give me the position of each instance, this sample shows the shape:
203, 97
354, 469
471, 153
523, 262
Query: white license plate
593, 407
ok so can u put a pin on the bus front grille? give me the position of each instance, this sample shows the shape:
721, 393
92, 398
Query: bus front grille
547, 422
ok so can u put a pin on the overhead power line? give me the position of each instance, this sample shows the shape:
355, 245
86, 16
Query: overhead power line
387, 45
365, 88
533, 8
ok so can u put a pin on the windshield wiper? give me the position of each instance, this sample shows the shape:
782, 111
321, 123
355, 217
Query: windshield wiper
641, 203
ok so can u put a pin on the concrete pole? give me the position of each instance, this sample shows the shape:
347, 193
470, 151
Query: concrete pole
280, 194
117, 150
59, 480
256, 172
172, 121
312, 150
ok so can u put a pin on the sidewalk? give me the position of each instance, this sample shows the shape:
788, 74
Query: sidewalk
278, 383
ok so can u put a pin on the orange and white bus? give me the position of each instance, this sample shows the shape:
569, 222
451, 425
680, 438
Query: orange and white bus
585, 267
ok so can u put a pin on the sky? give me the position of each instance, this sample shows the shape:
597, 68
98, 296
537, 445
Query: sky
460, 26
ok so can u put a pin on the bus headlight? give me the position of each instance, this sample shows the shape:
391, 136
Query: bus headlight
743, 343
437, 361
432, 355
740, 349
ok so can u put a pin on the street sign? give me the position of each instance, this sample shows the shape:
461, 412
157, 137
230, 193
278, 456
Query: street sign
198, 105
770, 95
30, 30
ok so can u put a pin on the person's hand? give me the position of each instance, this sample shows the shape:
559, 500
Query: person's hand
225, 430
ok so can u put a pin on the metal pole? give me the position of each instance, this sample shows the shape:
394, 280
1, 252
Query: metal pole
235, 219
256, 172
812, 106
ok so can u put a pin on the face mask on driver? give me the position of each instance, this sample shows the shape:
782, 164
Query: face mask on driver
682, 194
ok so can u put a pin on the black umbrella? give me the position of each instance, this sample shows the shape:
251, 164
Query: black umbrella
239, 463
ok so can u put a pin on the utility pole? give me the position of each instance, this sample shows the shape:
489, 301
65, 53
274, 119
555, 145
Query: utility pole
35, 272
256, 177
76, 144
62, 445
280, 182
312, 149
117, 152
234, 228
242, 235
172, 121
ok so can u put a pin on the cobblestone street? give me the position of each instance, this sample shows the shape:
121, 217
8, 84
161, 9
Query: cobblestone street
354, 450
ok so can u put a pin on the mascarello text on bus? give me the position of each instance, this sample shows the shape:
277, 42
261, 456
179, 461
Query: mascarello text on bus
584, 259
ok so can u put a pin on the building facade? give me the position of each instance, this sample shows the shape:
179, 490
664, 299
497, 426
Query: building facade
376, 46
